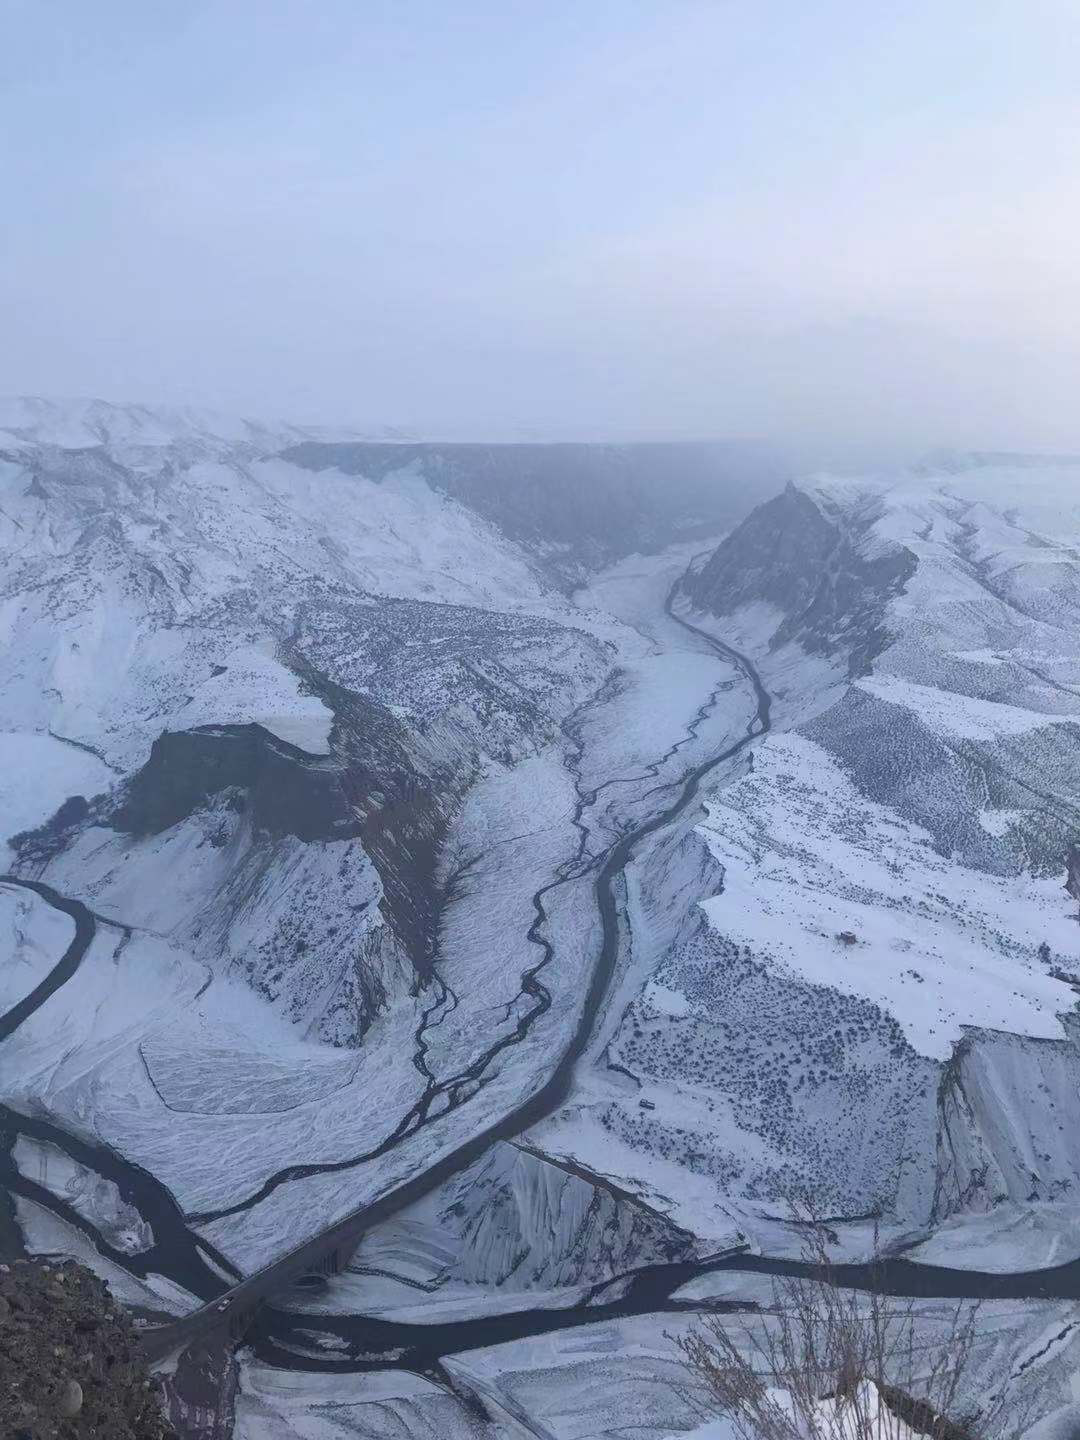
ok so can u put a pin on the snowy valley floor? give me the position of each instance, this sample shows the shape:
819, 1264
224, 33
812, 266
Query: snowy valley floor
638, 1163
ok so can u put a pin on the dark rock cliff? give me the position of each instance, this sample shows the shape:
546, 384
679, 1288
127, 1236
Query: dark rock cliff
369, 788
288, 791
794, 555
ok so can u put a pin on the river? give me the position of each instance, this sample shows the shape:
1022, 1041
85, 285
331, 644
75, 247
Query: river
184, 1257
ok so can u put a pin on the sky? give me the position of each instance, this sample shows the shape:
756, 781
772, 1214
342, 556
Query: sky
827, 221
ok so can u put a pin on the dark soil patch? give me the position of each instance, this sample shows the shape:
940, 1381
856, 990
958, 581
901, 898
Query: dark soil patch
70, 1367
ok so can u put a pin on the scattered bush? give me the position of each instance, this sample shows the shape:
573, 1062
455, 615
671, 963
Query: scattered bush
829, 1363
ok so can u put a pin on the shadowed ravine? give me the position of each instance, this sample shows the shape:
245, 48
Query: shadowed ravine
181, 1255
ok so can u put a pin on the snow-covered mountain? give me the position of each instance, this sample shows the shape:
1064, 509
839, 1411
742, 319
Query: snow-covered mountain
883, 968
557, 855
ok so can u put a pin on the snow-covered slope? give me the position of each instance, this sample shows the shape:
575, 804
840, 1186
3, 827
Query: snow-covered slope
159, 578
875, 996
362, 797
302, 726
576, 505
35, 422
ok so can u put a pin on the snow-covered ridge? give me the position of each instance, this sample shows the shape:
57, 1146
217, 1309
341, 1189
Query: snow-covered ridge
821, 565
939, 947
887, 907
84, 423
162, 572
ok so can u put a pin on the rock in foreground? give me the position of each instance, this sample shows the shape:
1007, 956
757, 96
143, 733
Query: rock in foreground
69, 1360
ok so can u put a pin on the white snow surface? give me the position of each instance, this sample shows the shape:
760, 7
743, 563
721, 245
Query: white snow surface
948, 713
33, 937
38, 772
170, 571
81, 423
252, 686
872, 1418
711, 1430
807, 858
1005, 1239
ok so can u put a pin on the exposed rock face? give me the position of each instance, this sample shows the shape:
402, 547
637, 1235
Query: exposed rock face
793, 555
69, 1360
201, 1393
289, 793
401, 799
369, 790
318, 871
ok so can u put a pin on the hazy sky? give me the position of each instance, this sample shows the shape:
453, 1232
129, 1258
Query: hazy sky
825, 218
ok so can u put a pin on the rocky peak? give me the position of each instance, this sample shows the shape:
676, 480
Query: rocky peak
818, 565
